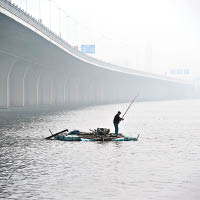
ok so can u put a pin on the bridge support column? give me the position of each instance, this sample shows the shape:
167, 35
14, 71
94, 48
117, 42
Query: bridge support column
73, 90
44, 85
59, 87
31, 85
16, 83
6, 65
84, 95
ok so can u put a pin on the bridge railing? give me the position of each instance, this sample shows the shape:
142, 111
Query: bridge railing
20, 13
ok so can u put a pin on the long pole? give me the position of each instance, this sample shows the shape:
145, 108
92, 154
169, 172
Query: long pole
130, 105
53, 135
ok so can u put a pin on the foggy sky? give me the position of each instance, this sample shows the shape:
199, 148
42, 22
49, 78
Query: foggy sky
172, 27
149, 35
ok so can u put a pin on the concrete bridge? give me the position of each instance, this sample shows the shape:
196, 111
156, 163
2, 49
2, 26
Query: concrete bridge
38, 67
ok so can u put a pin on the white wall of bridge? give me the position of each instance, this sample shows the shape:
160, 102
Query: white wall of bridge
36, 71
23, 83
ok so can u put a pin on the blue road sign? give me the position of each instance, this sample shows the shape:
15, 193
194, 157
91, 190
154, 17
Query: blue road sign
88, 49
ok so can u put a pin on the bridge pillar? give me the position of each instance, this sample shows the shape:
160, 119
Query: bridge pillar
84, 85
59, 87
45, 87
6, 65
16, 83
31, 85
73, 91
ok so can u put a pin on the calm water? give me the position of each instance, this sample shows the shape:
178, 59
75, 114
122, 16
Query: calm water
163, 164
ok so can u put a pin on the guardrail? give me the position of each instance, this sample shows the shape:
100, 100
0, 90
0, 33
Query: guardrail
20, 13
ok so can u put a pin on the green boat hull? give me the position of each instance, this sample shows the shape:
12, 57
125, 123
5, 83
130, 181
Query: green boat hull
72, 138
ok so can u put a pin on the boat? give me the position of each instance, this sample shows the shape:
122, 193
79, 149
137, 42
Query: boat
99, 134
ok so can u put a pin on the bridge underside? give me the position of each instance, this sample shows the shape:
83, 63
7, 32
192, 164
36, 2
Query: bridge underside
34, 71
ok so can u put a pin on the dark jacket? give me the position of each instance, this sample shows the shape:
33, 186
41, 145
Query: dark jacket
117, 119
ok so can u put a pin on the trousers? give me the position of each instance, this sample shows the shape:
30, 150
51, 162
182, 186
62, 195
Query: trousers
116, 129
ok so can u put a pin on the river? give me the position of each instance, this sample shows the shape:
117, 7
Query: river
162, 165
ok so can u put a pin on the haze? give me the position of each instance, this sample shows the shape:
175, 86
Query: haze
154, 36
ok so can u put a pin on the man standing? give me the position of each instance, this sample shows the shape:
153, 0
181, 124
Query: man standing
116, 121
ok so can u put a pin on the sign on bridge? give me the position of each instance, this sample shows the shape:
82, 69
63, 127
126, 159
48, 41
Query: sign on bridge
90, 49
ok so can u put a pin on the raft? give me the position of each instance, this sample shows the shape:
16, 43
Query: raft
100, 134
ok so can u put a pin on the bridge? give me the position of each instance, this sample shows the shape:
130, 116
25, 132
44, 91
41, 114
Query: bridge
39, 67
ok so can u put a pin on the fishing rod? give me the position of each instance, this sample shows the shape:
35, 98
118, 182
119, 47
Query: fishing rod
129, 106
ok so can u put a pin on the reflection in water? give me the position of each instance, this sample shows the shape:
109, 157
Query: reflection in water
163, 164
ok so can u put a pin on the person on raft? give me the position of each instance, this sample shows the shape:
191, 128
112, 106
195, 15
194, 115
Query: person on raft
116, 121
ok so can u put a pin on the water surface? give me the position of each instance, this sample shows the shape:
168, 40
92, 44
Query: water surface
163, 164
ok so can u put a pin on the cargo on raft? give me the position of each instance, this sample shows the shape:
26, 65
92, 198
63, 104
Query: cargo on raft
99, 134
